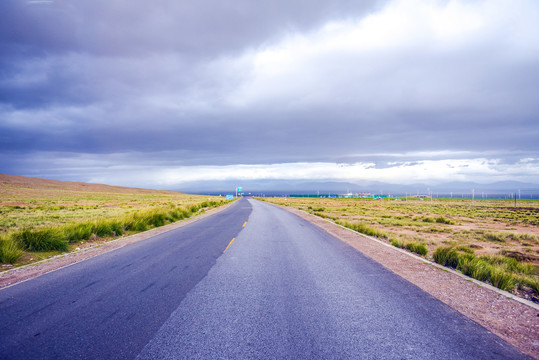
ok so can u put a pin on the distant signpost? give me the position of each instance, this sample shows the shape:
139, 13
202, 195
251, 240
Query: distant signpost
238, 189
230, 197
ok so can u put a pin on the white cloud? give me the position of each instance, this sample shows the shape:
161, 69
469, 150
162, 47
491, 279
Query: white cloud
426, 171
411, 54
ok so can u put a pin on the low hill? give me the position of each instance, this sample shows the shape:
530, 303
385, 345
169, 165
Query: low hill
26, 186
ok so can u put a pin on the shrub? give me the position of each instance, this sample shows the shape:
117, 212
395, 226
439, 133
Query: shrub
41, 240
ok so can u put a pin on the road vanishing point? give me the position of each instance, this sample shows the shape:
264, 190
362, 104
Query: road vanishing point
250, 282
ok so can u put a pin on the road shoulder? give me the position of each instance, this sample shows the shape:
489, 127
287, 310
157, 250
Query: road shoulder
509, 319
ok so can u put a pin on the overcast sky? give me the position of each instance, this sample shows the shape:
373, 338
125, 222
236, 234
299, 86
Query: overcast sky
160, 93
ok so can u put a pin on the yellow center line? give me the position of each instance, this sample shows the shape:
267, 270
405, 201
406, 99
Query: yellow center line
245, 223
230, 243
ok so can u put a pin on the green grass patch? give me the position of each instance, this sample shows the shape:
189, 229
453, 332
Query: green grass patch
58, 238
364, 229
417, 247
465, 249
41, 240
442, 220
528, 281
502, 279
397, 243
10, 251
508, 264
503, 272
494, 237
446, 256
413, 246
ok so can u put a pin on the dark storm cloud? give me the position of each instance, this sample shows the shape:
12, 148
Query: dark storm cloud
135, 27
173, 83
62, 51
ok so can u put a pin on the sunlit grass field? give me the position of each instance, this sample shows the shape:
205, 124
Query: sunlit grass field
20, 213
40, 218
487, 238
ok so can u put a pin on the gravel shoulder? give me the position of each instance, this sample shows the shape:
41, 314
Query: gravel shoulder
30, 271
511, 320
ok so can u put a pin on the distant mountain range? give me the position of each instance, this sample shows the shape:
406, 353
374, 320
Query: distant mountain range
287, 187
271, 187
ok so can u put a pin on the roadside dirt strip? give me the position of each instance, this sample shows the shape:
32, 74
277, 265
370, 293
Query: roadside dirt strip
511, 320
16, 275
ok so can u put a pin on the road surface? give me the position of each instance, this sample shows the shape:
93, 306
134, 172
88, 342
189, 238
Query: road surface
282, 289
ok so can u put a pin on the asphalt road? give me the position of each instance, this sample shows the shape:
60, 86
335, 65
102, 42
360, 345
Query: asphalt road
110, 306
283, 289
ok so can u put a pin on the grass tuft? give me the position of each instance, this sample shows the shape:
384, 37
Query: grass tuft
417, 247
502, 279
446, 256
78, 232
501, 271
10, 252
494, 237
532, 283
442, 220
41, 240
364, 229
397, 243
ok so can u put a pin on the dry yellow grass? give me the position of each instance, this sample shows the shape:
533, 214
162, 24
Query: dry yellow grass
67, 213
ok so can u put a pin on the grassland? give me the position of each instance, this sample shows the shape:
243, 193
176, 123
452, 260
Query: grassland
41, 218
491, 240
